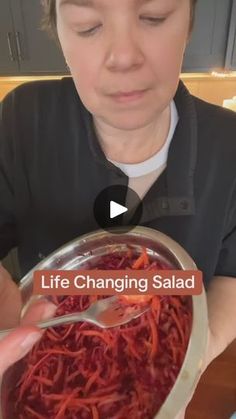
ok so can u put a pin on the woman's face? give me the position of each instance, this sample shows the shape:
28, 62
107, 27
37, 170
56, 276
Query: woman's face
125, 56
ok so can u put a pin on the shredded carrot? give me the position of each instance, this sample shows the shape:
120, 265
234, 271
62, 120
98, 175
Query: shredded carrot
64, 352
59, 371
102, 336
177, 322
61, 411
142, 261
43, 380
34, 413
154, 336
92, 379
95, 412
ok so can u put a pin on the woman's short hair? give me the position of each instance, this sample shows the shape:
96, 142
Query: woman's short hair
50, 18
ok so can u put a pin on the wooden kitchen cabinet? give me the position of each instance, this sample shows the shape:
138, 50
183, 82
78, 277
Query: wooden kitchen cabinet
230, 62
8, 55
34, 52
233, 60
37, 53
208, 45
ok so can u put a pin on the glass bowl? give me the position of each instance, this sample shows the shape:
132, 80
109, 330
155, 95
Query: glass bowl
86, 249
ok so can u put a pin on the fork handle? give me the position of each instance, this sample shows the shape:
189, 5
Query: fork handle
56, 321
66, 319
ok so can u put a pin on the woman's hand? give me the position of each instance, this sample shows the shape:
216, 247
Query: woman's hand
10, 300
15, 345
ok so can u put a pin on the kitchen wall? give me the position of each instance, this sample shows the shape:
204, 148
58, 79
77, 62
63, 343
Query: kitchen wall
212, 88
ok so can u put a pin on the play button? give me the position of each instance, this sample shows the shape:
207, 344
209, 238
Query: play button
116, 209
117, 206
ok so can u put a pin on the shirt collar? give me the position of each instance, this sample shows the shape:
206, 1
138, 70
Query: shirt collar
177, 194
183, 149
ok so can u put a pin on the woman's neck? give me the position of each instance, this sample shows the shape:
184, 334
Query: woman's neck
133, 146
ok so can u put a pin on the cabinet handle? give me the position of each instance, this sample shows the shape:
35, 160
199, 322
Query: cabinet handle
18, 45
9, 42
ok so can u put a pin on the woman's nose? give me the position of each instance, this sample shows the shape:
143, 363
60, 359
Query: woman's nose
124, 53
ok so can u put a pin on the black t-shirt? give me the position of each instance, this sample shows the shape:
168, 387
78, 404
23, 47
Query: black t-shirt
52, 168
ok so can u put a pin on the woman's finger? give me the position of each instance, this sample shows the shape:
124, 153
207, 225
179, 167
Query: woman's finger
16, 345
37, 310
19, 342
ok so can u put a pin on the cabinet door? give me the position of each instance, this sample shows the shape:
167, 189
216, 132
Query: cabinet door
207, 48
233, 60
38, 54
230, 62
8, 54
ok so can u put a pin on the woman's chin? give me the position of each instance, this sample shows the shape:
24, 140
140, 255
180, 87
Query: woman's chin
128, 122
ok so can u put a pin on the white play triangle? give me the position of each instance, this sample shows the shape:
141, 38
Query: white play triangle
116, 209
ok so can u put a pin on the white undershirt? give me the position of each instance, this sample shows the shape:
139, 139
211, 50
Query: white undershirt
143, 175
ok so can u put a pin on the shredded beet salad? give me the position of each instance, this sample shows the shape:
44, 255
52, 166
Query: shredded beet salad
80, 371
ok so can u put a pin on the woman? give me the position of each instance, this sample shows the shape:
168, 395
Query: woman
124, 119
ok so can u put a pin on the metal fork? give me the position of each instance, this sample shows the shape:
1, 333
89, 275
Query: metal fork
105, 313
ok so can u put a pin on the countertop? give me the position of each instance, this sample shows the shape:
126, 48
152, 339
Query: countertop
215, 396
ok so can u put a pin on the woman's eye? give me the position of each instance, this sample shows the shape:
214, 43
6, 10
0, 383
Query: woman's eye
154, 20
90, 31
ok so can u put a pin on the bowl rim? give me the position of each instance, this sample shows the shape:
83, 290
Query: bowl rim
191, 369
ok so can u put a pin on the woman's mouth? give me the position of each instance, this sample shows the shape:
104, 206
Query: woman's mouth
126, 97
